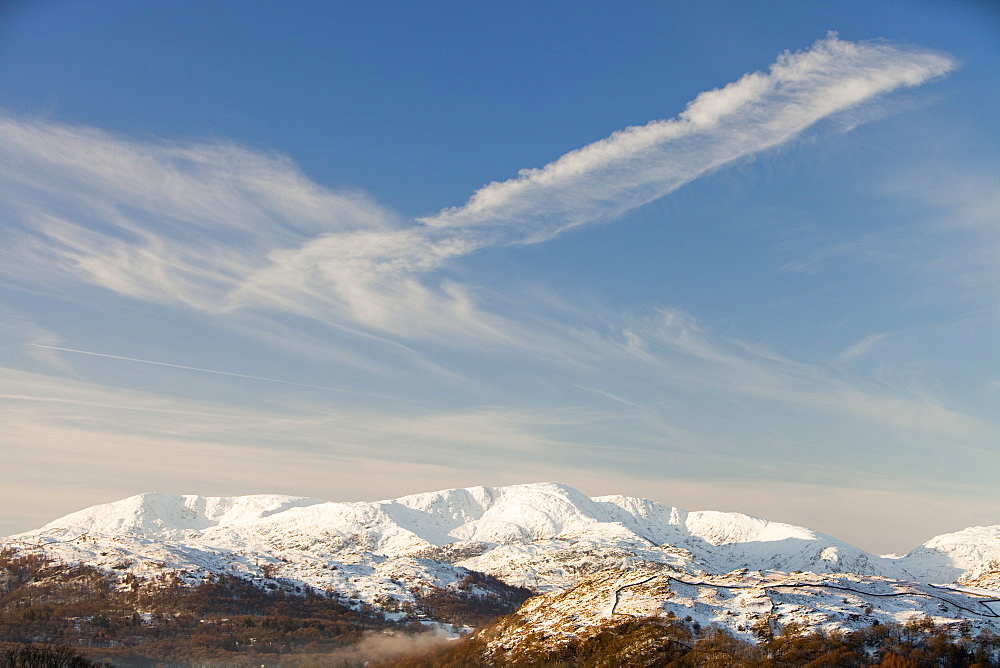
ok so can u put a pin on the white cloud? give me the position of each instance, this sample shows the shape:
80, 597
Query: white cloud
32, 339
168, 223
862, 347
372, 271
642, 163
216, 227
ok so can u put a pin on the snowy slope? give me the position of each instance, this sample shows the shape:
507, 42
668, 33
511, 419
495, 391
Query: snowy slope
168, 515
971, 556
747, 604
544, 536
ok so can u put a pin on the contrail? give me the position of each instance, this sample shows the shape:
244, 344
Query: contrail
226, 373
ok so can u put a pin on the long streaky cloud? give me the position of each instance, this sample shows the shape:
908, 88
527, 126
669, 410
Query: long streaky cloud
219, 228
639, 164
607, 178
224, 373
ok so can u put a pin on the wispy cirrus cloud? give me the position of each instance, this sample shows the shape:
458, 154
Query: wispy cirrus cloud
33, 340
959, 213
217, 227
658, 391
672, 353
604, 179
862, 347
642, 163
164, 222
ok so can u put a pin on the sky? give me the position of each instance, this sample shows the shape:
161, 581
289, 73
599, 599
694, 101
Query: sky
723, 255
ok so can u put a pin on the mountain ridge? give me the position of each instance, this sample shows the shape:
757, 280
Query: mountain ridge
516, 514
546, 537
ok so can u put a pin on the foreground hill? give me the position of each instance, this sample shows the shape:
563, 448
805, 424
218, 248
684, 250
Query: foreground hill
749, 606
742, 619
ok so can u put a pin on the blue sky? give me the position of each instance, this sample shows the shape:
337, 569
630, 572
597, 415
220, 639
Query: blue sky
725, 255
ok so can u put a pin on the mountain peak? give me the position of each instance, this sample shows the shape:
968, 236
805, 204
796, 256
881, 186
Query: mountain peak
161, 514
539, 535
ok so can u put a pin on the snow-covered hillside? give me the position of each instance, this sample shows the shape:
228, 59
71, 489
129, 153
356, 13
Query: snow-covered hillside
971, 556
750, 605
543, 536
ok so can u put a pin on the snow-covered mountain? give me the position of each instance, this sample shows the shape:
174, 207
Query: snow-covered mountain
542, 536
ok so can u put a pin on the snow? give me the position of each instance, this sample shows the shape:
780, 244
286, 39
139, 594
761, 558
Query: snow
545, 536
161, 515
746, 603
972, 554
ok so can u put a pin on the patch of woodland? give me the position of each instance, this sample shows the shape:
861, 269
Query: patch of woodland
454, 552
478, 599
